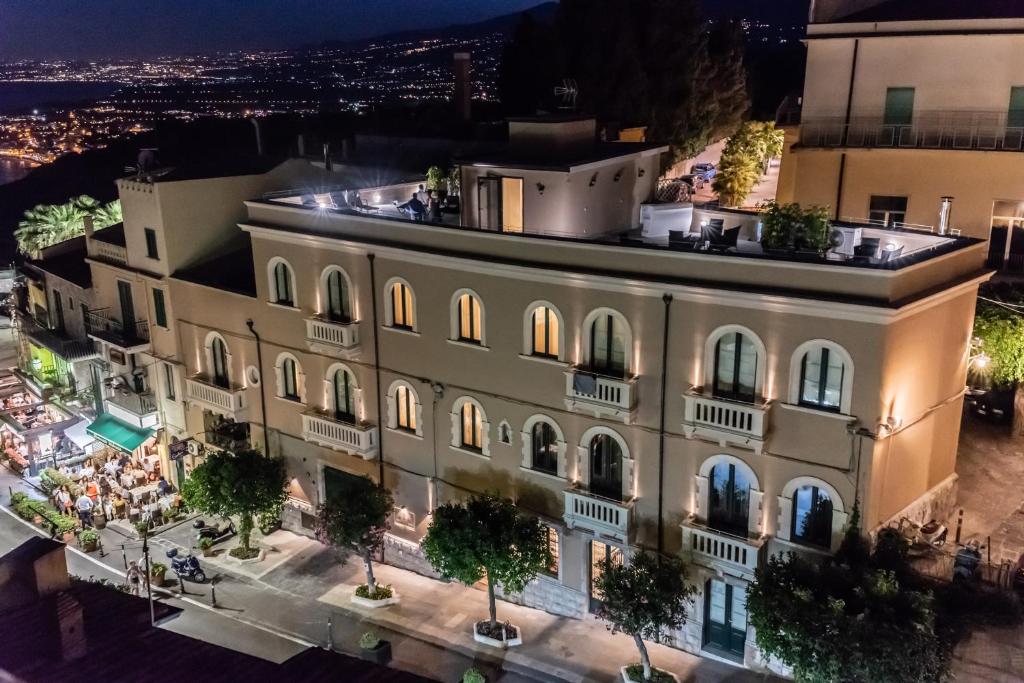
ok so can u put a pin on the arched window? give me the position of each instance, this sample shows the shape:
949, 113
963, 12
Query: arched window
282, 283
219, 363
736, 367
469, 318
545, 333
471, 433
343, 395
821, 373
337, 296
289, 379
401, 306
812, 516
729, 499
544, 448
606, 467
405, 412
609, 342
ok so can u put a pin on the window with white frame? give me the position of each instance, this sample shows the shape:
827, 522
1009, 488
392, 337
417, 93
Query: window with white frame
218, 360
343, 394
811, 512
821, 379
468, 320
289, 378
282, 283
609, 338
735, 367
544, 447
401, 307
403, 408
472, 427
337, 296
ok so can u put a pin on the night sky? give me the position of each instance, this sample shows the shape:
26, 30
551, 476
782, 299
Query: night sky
137, 28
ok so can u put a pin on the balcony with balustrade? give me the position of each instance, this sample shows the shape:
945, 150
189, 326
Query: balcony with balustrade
332, 337
230, 402
603, 517
60, 343
138, 410
130, 336
726, 420
946, 130
600, 395
351, 437
721, 551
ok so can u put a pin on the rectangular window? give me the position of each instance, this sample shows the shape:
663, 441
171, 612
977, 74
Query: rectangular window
886, 210
1015, 115
151, 250
159, 308
899, 107
552, 536
512, 204
169, 380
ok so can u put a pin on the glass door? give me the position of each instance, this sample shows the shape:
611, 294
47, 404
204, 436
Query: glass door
488, 203
602, 556
725, 618
512, 204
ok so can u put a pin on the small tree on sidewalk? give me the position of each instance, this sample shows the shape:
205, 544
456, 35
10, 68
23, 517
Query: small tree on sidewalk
487, 537
357, 518
644, 599
246, 484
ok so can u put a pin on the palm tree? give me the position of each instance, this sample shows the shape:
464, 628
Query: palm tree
49, 224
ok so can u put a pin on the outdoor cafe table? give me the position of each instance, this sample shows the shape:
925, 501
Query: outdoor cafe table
140, 492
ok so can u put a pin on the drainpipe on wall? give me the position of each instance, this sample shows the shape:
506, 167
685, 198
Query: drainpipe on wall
667, 298
376, 366
263, 400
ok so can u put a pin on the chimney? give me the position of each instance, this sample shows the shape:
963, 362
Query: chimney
71, 628
463, 86
945, 211
87, 223
259, 136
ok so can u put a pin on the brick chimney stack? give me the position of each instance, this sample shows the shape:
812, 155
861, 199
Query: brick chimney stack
463, 86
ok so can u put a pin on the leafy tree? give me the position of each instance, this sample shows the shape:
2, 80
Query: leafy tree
688, 91
245, 484
1000, 328
745, 159
788, 226
853, 617
486, 537
357, 518
48, 224
644, 599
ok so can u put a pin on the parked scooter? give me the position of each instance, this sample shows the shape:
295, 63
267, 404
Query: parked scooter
215, 532
186, 567
967, 562
933, 533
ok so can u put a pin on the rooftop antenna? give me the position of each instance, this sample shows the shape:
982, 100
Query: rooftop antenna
568, 91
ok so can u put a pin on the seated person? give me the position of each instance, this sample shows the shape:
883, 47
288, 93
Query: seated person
413, 208
163, 487
120, 506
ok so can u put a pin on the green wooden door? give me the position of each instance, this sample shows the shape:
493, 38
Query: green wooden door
725, 618
899, 106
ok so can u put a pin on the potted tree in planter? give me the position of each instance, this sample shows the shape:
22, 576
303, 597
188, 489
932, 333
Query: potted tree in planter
206, 546
473, 675
487, 537
357, 518
787, 228
644, 599
142, 528
246, 484
157, 572
66, 527
89, 540
373, 649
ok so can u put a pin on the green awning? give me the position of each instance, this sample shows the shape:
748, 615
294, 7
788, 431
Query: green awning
118, 434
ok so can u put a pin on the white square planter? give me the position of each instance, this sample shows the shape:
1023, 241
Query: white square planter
495, 642
254, 560
375, 604
627, 679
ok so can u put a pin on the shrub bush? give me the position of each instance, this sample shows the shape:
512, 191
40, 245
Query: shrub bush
473, 675
369, 641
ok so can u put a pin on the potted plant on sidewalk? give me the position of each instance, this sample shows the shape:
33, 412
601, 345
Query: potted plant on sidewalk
473, 675
157, 573
89, 540
373, 649
66, 527
487, 537
206, 546
644, 599
357, 518
245, 484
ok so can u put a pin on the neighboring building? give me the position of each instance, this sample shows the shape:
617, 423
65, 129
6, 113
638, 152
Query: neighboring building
527, 354
909, 101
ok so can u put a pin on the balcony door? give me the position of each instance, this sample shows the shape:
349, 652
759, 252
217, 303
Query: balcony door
602, 556
124, 295
58, 312
735, 367
725, 618
606, 467
728, 499
608, 341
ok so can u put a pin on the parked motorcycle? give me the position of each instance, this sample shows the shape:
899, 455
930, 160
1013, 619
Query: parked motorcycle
932, 533
214, 532
186, 567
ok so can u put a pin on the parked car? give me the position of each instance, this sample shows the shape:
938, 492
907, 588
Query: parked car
995, 404
705, 171
694, 180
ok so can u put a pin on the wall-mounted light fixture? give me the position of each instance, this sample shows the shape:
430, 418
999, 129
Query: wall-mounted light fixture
617, 176
593, 180
640, 173
540, 188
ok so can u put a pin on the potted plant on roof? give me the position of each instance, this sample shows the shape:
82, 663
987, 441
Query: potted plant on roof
488, 538
89, 540
373, 649
357, 518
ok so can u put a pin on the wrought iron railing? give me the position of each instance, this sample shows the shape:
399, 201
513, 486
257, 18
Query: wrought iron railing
101, 323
